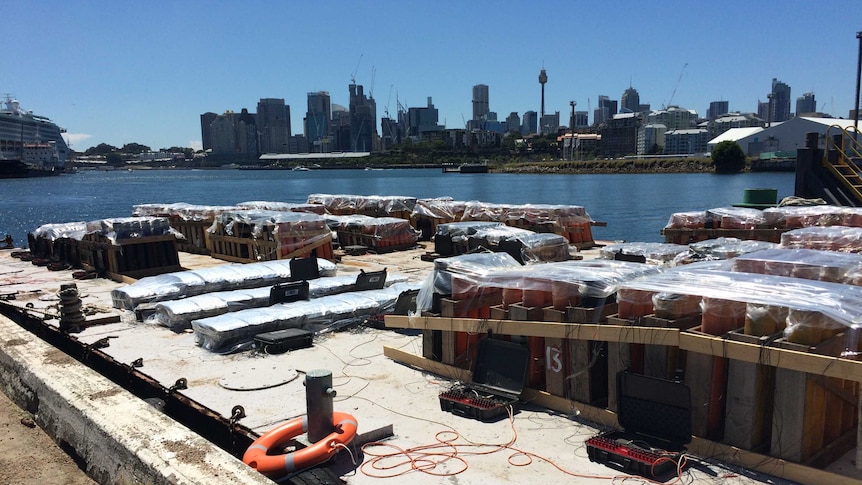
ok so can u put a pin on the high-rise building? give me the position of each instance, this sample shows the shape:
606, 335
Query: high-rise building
780, 101
529, 123
317, 121
423, 121
717, 108
273, 124
631, 100
234, 136
481, 106
206, 120
513, 122
806, 104
605, 110
363, 120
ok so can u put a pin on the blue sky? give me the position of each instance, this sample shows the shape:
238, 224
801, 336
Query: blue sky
143, 71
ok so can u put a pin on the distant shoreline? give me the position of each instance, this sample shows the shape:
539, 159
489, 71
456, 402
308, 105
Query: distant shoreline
551, 167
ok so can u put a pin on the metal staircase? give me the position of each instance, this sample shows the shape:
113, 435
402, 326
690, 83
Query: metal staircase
842, 159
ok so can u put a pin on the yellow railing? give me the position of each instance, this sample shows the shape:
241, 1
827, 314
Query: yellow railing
844, 167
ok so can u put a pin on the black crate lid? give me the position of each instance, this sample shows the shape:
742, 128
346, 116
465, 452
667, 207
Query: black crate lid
654, 407
501, 366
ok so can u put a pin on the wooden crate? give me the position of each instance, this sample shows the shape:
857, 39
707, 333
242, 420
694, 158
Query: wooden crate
196, 234
706, 376
688, 236
132, 257
249, 249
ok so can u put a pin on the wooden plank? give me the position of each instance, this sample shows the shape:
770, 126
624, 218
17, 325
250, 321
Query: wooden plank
777, 357
578, 331
699, 446
750, 399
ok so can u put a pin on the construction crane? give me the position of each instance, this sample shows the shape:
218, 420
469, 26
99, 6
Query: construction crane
371, 87
388, 100
353, 74
676, 85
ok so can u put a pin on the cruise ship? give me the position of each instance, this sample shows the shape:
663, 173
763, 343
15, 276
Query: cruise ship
30, 145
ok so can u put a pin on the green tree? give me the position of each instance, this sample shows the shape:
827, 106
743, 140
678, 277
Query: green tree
135, 148
114, 159
100, 149
728, 157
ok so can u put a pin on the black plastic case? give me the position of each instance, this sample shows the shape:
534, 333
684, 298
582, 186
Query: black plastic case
656, 418
280, 341
499, 376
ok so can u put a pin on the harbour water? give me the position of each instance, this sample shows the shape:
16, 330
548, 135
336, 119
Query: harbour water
635, 206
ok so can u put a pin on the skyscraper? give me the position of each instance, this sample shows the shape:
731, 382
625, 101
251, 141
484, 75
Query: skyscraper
780, 101
273, 124
481, 106
806, 104
363, 120
317, 120
716, 109
631, 100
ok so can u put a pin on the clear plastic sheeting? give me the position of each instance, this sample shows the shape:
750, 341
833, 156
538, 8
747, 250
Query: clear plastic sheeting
171, 286
378, 233
795, 217
235, 331
461, 230
370, 205
52, 232
466, 266
282, 206
532, 214
178, 314
266, 224
593, 279
441, 209
834, 238
801, 263
131, 227
841, 303
534, 247
719, 249
689, 220
661, 254
736, 218
181, 211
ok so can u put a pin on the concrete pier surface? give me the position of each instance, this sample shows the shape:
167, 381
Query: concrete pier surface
119, 438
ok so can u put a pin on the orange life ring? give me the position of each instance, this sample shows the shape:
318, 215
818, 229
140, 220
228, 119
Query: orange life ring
256, 455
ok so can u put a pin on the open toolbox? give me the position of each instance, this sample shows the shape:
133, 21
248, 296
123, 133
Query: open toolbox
655, 415
499, 376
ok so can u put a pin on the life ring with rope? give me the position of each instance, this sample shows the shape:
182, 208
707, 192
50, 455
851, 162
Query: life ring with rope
257, 455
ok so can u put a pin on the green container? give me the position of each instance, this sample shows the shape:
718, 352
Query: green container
759, 198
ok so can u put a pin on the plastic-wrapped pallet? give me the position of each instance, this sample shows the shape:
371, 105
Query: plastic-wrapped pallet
235, 331
282, 206
839, 304
178, 314
180, 284
466, 267
800, 263
719, 249
661, 254
736, 217
833, 238
794, 217
536, 247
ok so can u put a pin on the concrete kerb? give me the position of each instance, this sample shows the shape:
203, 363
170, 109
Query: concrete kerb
122, 439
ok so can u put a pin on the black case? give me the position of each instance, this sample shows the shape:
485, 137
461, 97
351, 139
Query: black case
499, 376
280, 341
656, 418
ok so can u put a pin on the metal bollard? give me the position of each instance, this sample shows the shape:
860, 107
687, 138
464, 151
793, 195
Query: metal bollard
318, 402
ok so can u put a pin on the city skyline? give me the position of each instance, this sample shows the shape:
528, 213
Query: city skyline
113, 73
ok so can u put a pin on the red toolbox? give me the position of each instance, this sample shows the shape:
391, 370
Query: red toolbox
656, 418
499, 375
